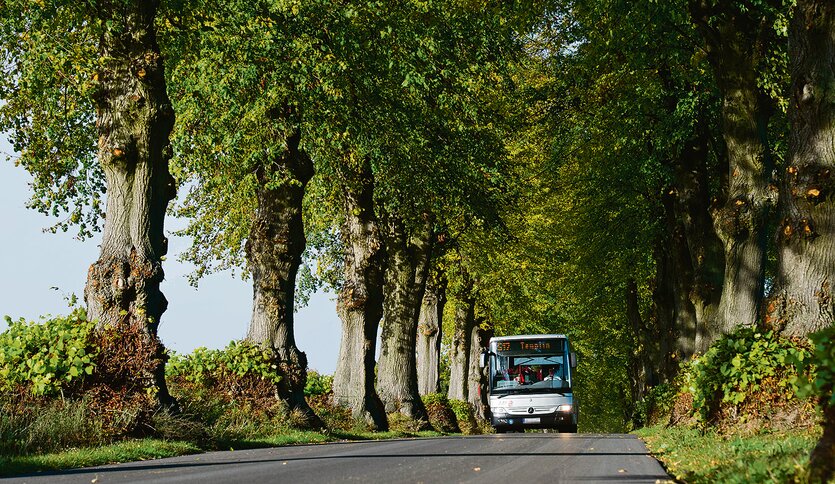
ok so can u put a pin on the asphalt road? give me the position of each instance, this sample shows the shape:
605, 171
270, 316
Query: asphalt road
505, 458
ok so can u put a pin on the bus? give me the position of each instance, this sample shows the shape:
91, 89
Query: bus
530, 382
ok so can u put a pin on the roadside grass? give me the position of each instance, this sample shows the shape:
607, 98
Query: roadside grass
129, 450
693, 456
145, 449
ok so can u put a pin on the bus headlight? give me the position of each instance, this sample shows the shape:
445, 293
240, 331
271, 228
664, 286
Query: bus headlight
499, 411
564, 408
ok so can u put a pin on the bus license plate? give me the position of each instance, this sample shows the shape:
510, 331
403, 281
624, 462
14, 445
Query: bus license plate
530, 420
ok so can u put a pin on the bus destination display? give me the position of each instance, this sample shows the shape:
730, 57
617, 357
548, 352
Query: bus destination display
530, 346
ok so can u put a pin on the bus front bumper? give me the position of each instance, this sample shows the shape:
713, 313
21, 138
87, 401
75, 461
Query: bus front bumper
552, 420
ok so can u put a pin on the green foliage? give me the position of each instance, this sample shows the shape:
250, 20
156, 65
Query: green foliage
238, 359
45, 357
736, 364
77, 457
318, 384
47, 84
465, 416
820, 364
657, 404
695, 456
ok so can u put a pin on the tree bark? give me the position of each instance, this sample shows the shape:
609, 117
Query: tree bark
274, 252
459, 364
735, 43
360, 302
476, 376
134, 119
405, 285
707, 258
429, 333
806, 242
806, 238
674, 333
639, 369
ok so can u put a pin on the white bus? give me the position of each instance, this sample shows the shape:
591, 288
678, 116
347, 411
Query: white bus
530, 382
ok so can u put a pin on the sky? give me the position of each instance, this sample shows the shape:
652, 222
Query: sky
38, 271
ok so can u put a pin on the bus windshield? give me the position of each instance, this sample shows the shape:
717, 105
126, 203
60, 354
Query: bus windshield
528, 373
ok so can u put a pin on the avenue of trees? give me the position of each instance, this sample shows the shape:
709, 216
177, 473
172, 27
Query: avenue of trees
645, 177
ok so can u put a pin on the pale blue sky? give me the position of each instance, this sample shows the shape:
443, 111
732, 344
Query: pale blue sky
218, 311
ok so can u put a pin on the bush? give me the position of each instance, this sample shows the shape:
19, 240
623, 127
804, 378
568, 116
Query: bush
334, 416
318, 384
47, 357
404, 424
441, 416
737, 366
239, 372
107, 372
232, 391
465, 416
238, 359
820, 367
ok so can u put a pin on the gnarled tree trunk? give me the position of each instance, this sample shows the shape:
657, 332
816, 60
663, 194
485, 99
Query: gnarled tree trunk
707, 258
459, 357
803, 301
806, 239
134, 119
429, 332
476, 375
274, 252
406, 271
735, 42
672, 333
360, 303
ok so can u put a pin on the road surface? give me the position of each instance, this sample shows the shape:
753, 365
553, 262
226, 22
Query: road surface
501, 458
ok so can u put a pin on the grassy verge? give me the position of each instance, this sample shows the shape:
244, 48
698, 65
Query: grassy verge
145, 449
692, 456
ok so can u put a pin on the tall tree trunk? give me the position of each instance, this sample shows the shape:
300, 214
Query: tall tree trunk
406, 271
429, 334
134, 119
360, 302
707, 258
806, 240
459, 357
735, 42
690, 235
803, 301
477, 376
640, 369
274, 252
675, 322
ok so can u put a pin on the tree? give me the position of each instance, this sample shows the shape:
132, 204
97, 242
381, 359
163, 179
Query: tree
737, 40
802, 302
463, 326
430, 334
244, 143
126, 90
423, 133
407, 268
360, 303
